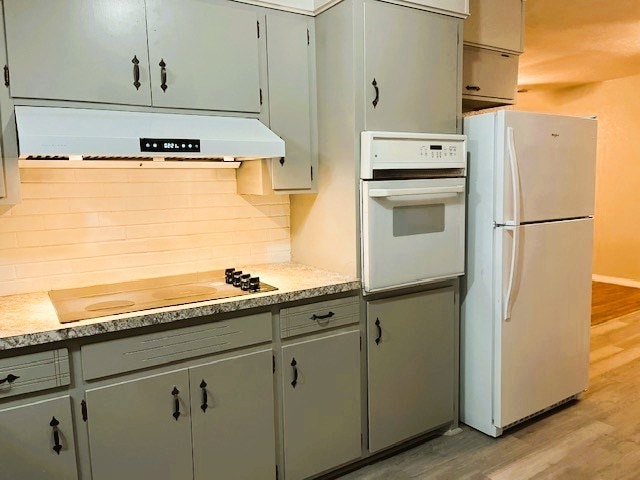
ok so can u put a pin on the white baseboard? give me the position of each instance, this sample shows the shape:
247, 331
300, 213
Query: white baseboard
616, 281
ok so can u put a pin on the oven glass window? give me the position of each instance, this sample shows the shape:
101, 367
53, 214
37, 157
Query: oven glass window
418, 219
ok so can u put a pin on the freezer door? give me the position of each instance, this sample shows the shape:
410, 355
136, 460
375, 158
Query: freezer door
542, 324
551, 160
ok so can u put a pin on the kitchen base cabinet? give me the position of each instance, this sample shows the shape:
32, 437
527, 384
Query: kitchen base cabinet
233, 424
37, 441
321, 403
141, 429
411, 360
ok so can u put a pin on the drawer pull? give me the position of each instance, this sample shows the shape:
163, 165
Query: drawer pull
375, 100
9, 379
326, 317
473, 88
379, 337
295, 373
56, 435
203, 386
176, 403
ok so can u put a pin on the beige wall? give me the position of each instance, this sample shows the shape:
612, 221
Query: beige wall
78, 227
617, 214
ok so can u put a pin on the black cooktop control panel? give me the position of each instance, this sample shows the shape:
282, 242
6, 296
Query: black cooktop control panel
169, 145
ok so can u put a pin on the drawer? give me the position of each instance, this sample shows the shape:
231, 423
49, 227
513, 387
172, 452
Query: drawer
319, 316
142, 351
487, 73
34, 372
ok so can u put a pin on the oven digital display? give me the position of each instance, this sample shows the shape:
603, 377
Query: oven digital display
169, 145
435, 147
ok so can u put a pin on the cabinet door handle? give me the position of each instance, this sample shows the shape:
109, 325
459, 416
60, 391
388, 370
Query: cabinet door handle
163, 75
136, 72
295, 373
379, 337
474, 88
83, 407
326, 317
56, 435
176, 403
375, 100
9, 379
203, 386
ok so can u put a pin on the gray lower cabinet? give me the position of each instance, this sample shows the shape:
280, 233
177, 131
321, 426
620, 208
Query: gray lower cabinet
411, 349
321, 403
233, 424
141, 428
78, 50
211, 421
411, 69
37, 441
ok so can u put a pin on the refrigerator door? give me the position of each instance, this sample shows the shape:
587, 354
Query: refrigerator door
550, 160
543, 316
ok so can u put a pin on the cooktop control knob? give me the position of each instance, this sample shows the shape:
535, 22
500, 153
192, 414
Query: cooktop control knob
244, 282
237, 278
228, 275
254, 284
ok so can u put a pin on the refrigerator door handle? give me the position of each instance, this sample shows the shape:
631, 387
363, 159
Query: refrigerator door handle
515, 176
508, 301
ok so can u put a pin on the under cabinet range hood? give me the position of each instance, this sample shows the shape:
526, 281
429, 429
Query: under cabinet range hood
53, 133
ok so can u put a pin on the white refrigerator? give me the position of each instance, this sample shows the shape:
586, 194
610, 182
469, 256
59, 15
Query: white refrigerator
526, 299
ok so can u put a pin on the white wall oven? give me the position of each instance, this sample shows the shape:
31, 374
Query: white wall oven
412, 198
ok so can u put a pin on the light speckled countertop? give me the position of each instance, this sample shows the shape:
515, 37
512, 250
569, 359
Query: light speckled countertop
30, 319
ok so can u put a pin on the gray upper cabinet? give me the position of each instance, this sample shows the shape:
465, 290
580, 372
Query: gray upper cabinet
232, 412
411, 353
78, 50
38, 441
291, 84
495, 24
321, 404
210, 52
411, 69
135, 431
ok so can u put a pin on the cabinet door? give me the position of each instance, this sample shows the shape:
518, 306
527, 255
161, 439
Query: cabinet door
321, 404
233, 418
412, 58
495, 23
78, 50
210, 52
134, 431
290, 80
27, 441
411, 365
489, 74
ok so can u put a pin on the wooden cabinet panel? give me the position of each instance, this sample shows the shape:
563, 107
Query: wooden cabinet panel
27, 447
413, 57
77, 50
211, 55
317, 316
411, 365
321, 403
489, 74
133, 433
496, 24
290, 88
233, 418
34, 372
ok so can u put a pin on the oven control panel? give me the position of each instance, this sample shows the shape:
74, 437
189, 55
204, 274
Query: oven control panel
411, 151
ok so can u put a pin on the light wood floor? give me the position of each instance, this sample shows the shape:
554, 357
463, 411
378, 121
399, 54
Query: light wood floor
597, 437
610, 301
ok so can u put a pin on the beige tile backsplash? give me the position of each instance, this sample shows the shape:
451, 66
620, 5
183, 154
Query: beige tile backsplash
77, 227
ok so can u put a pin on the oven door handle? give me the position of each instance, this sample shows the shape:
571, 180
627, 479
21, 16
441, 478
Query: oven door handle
405, 192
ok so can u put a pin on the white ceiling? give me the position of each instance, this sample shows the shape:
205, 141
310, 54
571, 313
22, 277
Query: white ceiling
569, 42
